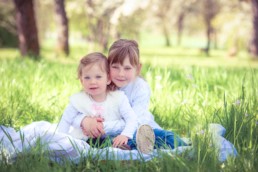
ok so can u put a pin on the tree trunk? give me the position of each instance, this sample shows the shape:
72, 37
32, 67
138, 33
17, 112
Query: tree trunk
166, 34
99, 25
26, 27
254, 41
63, 30
208, 35
180, 26
100, 33
210, 8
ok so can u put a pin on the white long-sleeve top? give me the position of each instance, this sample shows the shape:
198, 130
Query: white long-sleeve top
138, 94
119, 117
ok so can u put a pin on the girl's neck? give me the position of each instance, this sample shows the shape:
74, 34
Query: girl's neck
100, 98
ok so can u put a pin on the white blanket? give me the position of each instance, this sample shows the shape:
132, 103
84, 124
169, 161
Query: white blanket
62, 145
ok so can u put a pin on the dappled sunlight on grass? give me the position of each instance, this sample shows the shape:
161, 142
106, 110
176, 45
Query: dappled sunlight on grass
166, 56
189, 91
6, 53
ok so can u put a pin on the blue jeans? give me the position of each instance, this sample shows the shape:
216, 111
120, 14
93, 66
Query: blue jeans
165, 139
132, 142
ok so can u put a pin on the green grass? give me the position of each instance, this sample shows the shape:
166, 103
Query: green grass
189, 91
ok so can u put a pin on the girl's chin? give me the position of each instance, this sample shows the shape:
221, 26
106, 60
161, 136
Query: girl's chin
120, 85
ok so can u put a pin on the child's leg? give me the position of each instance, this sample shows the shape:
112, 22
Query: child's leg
143, 139
132, 142
164, 138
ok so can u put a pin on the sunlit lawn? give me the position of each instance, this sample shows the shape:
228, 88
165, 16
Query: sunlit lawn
189, 91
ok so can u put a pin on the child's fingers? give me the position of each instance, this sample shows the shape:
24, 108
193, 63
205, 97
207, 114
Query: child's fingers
100, 129
119, 141
99, 119
86, 133
95, 133
116, 142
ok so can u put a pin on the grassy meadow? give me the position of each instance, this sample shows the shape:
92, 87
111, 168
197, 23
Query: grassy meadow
189, 91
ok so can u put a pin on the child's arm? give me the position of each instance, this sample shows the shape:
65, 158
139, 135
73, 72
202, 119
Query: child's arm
113, 127
129, 117
67, 118
140, 102
92, 128
108, 127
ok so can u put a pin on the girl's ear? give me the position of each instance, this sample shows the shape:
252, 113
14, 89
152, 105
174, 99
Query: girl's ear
139, 68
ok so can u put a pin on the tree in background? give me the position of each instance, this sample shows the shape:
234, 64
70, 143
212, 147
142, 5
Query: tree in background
96, 22
230, 36
62, 27
126, 27
181, 11
209, 10
254, 41
128, 19
26, 27
98, 14
163, 13
168, 15
8, 31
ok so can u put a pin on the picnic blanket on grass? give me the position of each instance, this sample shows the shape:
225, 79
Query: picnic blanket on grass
61, 145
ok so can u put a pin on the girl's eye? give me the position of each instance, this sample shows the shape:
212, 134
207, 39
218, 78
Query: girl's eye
128, 68
98, 77
87, 77
114, 67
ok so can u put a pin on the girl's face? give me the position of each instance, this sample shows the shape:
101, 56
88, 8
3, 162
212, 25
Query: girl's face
122, 75
94, 81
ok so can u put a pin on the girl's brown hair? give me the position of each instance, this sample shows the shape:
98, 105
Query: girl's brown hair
91, 59
122, 49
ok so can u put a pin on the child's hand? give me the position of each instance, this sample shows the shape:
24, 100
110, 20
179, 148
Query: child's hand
92, 127
120, 140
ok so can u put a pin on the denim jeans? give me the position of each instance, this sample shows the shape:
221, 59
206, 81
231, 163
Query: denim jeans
132, 142
167, 139
163, 139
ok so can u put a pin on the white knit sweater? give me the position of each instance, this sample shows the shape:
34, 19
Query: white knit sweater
112, 110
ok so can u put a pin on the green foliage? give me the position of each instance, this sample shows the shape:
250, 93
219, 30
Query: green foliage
30, 90
7, 39
8, 35
185, 99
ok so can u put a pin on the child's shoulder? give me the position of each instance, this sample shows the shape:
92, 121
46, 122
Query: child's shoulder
141, 83
79, 95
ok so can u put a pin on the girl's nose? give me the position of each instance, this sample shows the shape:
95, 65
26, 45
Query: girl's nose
93, 81
121, 73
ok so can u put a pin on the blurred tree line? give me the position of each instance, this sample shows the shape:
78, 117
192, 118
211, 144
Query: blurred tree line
27, 23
